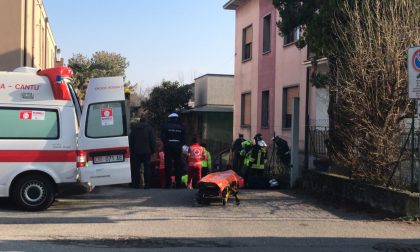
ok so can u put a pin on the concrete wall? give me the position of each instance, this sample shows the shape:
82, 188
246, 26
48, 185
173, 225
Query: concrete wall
214, 89
343, 189
29, 31
200, 91
220, 90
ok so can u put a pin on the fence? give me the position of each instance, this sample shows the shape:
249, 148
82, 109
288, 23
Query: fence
318, 137
215, 146
405, 172
274, 167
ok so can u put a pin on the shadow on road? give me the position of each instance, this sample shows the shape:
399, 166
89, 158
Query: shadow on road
342, 208
6, 205
219, 244
54, 220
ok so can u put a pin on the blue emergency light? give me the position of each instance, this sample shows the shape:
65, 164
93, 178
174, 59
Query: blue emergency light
59, 79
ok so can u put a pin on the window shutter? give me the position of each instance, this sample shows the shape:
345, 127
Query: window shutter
248, 35
291, 92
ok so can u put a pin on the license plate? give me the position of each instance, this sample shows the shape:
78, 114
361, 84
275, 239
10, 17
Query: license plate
108, 159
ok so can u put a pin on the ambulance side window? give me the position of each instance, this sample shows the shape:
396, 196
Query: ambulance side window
106, 120
29, 123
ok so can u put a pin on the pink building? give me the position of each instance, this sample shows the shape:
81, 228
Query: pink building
269, 71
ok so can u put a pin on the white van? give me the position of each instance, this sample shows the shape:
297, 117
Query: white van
48, 146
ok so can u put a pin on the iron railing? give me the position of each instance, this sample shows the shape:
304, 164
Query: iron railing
405, 171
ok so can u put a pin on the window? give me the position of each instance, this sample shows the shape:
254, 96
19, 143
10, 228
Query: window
75, 102
293, 36
288, 94
246, 110
106, 120
265, 108
267, 34
247, 43
29, 123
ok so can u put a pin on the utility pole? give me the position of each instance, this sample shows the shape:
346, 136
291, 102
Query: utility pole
295, 172
413, 64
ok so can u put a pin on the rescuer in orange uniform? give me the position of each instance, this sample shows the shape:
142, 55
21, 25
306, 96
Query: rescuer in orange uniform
196, 154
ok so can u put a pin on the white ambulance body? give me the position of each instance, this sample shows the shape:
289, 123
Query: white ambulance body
48, 146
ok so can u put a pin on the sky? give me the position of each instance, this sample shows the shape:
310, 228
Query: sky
162, 39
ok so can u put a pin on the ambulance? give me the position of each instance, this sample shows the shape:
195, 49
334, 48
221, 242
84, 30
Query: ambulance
50, 146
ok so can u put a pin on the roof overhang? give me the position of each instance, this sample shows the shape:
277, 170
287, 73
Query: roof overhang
210, 109
234, 4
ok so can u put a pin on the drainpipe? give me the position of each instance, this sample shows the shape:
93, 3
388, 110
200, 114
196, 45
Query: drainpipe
25, 24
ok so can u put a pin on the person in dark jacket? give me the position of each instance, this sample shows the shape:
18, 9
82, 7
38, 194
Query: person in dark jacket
238, 159
143, 145
173, 138
282, 150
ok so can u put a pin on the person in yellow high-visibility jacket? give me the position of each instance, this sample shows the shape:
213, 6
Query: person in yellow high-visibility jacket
206, 163
257, 158
246, 154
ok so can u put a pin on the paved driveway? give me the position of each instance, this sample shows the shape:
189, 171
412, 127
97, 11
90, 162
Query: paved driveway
170, 220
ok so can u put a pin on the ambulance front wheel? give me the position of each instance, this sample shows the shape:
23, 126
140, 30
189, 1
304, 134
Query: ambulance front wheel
33, 192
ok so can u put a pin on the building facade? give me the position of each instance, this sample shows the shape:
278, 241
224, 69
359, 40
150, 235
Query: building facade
269, 71
211, 118
26, 36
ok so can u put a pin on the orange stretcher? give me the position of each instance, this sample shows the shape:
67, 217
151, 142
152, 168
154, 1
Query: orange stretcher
218, 186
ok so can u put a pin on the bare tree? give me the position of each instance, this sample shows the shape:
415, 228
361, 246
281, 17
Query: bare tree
370, 85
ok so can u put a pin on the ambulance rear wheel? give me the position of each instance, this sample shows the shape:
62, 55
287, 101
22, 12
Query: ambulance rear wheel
33, 192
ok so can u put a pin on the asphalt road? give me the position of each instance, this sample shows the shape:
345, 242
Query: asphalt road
125, 219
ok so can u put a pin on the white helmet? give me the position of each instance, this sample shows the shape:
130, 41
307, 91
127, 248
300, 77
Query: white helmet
273, 183
262, 143
185, 149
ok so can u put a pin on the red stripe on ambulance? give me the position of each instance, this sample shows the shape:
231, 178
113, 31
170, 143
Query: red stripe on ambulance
46, 156
49, 156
